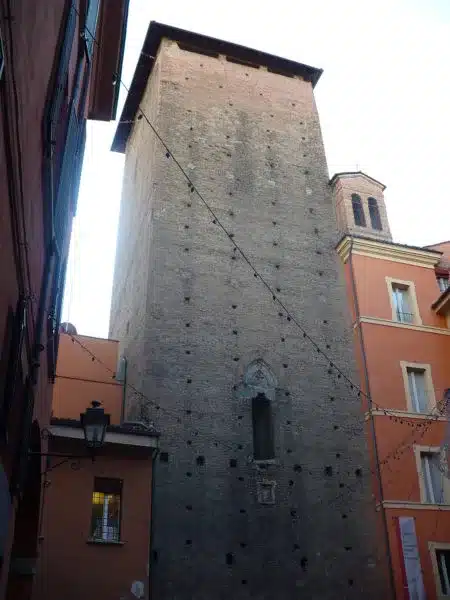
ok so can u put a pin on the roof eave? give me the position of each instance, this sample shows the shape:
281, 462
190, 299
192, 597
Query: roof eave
202, 44
344, 174
386, 250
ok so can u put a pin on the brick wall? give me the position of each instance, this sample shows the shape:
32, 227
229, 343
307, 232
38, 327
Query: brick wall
191, 318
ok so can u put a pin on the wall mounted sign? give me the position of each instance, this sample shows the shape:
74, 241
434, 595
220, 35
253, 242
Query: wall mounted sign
411, 559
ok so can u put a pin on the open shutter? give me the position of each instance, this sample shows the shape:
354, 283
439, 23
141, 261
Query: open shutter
2, 56
91, 26
79, 165
17, 339
61, 78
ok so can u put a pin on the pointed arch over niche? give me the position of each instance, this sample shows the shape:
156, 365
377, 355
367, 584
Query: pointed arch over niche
261, 378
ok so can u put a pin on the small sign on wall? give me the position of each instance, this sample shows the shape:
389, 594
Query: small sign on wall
414, 588
138, 589
266, 491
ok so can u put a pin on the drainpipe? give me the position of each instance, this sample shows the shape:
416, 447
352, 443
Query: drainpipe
124, 389
152, 526
371, 419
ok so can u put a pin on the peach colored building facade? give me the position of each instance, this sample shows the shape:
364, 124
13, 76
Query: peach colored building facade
96, 518
400, 303
53, 77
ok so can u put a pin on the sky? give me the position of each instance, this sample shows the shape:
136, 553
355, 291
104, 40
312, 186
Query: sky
383, 103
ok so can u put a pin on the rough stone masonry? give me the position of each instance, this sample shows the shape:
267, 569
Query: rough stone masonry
203, 337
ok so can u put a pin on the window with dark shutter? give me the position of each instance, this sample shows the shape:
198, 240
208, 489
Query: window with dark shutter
374, 213
91, 26
358, 212
2, 56
14, 339
66, 137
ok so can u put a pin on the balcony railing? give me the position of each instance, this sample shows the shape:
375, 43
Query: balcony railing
405, 317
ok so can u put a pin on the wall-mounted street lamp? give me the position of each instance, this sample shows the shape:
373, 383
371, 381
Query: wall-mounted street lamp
94, 422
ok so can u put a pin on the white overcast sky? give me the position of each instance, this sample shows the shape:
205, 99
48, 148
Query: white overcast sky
383, 100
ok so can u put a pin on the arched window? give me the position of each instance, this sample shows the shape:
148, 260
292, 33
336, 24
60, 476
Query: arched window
263, 446
374, 214
358, 212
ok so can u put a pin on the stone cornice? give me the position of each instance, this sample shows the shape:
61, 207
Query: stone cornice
387, 251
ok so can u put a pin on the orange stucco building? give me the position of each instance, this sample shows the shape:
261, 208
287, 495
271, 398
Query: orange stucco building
399, 301
96, 518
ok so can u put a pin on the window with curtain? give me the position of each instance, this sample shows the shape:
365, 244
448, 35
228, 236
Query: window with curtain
263, 443
374, 213
106, 510
433, 478
402, 303
418, 390
358, 212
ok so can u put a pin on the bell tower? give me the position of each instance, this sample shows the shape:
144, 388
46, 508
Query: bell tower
360, 206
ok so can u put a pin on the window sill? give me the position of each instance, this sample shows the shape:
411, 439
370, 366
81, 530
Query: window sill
97, 542
264, 462
414, 505
430, 416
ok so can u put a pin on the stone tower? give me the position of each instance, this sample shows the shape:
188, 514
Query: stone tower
262, 484
360, 206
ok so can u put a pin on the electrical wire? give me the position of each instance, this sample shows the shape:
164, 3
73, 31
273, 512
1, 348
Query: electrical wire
422, 428
257, 274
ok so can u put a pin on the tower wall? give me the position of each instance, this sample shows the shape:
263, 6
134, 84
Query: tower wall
194, 321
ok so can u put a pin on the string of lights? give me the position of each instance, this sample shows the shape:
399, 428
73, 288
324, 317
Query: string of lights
396, 454
176, 414
333, 367
393, 455
256, 273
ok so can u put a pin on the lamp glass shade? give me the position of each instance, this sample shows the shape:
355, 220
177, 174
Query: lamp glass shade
94, 422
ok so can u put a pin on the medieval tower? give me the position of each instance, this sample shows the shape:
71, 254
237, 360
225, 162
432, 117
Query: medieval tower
262, 486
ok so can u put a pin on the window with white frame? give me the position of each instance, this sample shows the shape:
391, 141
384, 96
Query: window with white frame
402, 303
106, 510
443, 565
417, 384
433, 477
